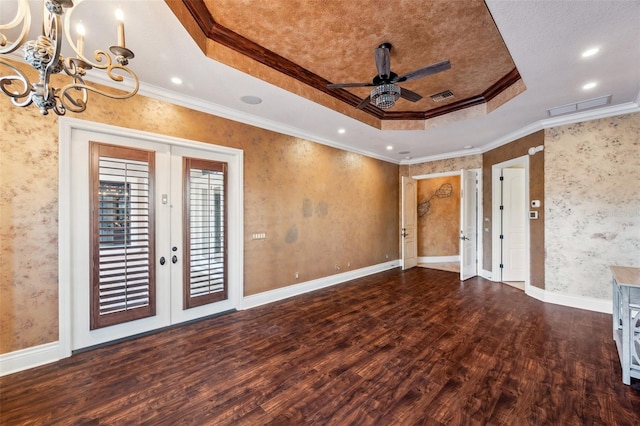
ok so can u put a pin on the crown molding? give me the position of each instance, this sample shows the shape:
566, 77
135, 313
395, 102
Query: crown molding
246, 118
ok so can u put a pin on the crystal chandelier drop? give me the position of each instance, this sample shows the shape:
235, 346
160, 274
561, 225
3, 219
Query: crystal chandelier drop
45, 55
385, 95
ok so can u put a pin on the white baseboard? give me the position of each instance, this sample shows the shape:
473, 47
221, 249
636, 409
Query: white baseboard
580, 302
24, 359
487, 275
438, 259
308, 286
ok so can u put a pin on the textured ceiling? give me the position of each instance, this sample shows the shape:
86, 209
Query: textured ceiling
302, 45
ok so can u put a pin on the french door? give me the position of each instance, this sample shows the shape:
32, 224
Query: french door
151, 235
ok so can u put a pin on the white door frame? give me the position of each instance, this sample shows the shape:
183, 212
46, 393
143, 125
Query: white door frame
496, 196
67, 127
479, 249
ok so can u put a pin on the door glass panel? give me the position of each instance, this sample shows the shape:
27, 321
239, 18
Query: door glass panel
122, 244
205, 275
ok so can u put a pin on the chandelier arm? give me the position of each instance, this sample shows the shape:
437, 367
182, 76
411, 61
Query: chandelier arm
10, 79
22, 15
79, 105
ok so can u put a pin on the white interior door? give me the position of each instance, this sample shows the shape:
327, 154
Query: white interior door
514, 222
166, 271
468, 224
409, 222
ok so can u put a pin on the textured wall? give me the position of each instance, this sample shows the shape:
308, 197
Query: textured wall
319, 206
439, 216
439, 166
592, 188
442, 166
515, 149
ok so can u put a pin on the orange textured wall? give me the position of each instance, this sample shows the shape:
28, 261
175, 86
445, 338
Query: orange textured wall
319, 206
439, 216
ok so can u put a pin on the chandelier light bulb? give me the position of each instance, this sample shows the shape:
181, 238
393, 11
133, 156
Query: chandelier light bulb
120, 19
81, 33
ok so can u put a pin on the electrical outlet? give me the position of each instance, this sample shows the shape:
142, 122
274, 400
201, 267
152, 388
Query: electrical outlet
297, 275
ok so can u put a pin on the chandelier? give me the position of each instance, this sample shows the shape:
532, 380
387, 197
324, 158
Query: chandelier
45, 55
385, 95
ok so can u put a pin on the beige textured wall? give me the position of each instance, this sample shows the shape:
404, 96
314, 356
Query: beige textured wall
319, 206
592, 205
439, 216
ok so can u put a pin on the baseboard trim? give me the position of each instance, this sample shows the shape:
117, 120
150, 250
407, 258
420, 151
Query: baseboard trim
438, 259
308, 286
580, 302
24, 359
487, 275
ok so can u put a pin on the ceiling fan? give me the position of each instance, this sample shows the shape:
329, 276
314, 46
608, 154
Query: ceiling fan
386, 92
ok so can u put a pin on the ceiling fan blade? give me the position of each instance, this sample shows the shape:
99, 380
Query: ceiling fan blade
364, 102
341, 85
425, 71
382, 62
409, 95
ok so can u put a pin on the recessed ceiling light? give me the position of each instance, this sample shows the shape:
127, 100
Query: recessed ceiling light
342, 131
590, 52
590, 85
251, 100
468, 146
389, 147
176, 80
404, 152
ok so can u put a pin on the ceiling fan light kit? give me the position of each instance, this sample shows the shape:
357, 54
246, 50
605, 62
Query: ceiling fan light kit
385, 95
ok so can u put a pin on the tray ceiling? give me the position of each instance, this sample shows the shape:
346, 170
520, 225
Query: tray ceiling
333, 41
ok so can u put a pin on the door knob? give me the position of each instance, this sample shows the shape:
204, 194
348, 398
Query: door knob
174, 259
162, 260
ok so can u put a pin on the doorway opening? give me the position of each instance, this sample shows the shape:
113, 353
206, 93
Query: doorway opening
446, 226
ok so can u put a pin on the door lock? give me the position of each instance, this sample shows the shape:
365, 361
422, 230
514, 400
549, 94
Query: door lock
162, 260
174, 259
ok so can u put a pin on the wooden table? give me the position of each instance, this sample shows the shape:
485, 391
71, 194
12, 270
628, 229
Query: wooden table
626, 319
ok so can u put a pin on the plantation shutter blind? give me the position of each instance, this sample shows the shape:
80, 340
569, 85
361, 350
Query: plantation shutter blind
205, 274
122, 243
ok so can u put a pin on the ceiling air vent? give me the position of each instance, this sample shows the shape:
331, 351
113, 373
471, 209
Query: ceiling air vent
438, 97
579, 106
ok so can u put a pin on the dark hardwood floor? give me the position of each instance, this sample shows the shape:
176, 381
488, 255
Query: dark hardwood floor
396, 348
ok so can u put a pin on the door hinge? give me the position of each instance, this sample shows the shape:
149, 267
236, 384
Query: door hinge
501, 266
501, 207
501, 177
502, 237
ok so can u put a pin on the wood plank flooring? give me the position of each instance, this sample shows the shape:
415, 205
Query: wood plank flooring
395, 348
